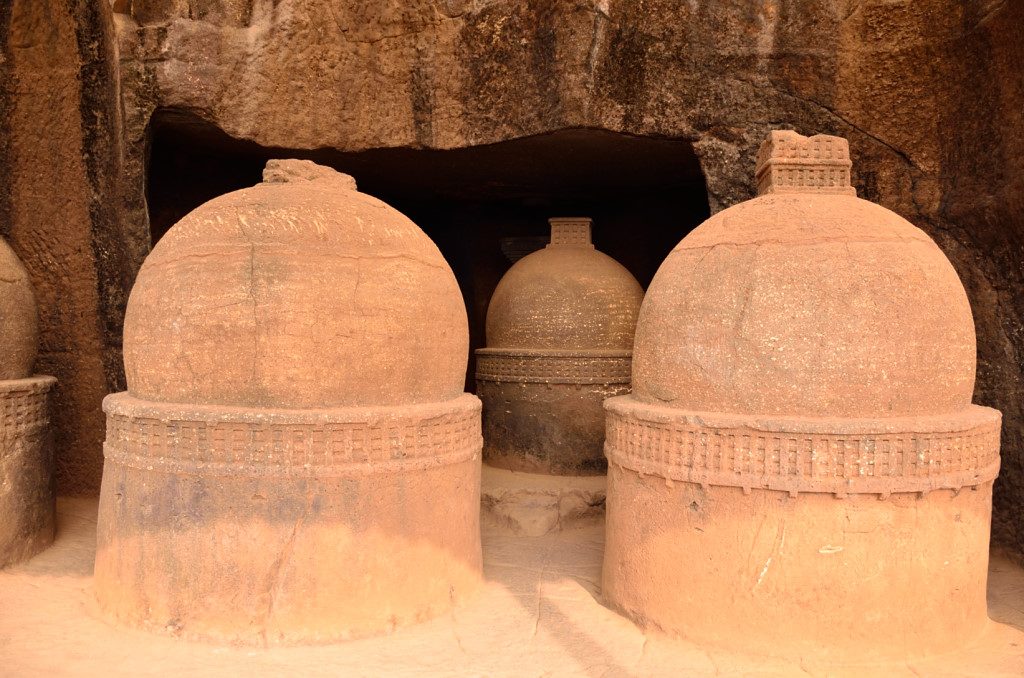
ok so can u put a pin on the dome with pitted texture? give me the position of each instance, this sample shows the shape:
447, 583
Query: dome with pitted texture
565, 296
19, 324
559, 338
801, 419
298, 292
295, 355
806, 304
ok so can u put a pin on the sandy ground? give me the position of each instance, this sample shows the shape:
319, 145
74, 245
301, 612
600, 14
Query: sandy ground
538, 615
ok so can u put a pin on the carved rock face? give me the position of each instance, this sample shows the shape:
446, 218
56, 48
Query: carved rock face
296, 293
19, 323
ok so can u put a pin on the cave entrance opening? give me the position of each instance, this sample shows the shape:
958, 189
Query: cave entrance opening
484, 206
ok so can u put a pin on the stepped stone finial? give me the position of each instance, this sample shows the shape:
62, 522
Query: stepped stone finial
570, 231
788, 162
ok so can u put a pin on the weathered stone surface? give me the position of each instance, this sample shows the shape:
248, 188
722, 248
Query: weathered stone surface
928, 92
19, 320
534, 504
559, 340
61, 208
27, 498
546, 426
27, 489
800, 420
294, 459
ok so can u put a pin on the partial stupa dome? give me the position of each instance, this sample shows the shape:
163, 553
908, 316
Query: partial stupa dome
801, 420
294, 460
567, 295
19, 322
270, 296
559, 340
27, 497
806, 303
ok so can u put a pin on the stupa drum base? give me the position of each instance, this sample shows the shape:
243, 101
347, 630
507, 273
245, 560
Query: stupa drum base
27, 496
803, 514
543, 409
850, 580
286, 525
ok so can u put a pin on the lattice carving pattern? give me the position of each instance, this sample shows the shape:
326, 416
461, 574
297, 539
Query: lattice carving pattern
782, 177
570, 231
782, 145
788, 161
312, 444
553, 369
24, 407
841, 464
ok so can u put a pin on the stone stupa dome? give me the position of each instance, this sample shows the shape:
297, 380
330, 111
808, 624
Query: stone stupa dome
565, 296
807, 304
297, 292
559, 339
294, 460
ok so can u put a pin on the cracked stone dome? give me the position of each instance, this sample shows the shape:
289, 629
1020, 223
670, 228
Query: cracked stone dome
559, 339
800, 421
295, 460
19, 323
806, 303
565, 296
269, 296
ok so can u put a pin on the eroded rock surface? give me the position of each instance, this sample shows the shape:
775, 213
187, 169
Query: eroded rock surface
800, 453
533, 504
294, 459
559, 340
27, 497
64, 200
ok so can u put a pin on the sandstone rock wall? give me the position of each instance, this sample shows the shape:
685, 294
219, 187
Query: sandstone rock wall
60, 187
929, 93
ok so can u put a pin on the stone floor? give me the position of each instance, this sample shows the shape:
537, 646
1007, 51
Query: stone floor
537, 616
